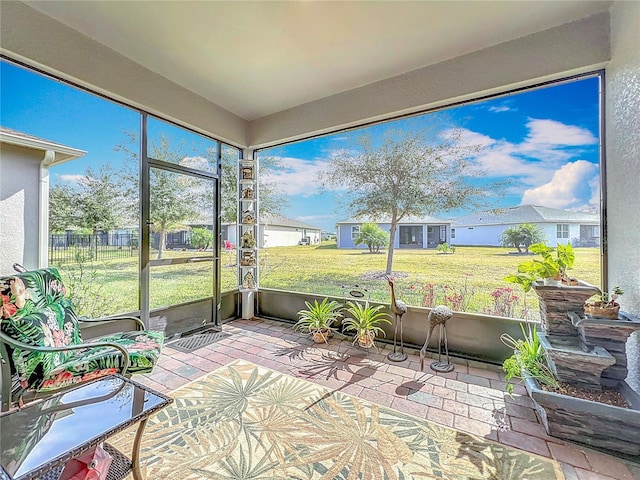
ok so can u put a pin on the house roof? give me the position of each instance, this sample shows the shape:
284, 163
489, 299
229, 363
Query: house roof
427, 219
268, 219
281, 221
525, 214
21, 139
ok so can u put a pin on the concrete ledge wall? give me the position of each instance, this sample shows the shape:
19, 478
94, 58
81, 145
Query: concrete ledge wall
469, 336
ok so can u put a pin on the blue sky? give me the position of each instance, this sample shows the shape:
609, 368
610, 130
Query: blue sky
546, 140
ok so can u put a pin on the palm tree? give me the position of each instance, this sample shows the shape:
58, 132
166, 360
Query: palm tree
522, 235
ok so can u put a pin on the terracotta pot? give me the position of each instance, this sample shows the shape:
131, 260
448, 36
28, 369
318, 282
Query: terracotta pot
321, 336
365, 340
597, 310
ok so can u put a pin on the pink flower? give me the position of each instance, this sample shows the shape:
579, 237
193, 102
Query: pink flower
7, 309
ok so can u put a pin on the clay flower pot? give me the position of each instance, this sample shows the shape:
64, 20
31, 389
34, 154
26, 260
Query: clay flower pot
600, 310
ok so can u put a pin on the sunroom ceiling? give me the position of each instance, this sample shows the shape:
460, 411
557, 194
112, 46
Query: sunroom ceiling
258, 58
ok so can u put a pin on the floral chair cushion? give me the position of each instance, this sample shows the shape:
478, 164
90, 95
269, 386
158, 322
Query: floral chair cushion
35, 311
143, 348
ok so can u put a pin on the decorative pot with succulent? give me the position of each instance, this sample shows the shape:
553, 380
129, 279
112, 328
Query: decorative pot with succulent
318, 319
604, 305
365, 321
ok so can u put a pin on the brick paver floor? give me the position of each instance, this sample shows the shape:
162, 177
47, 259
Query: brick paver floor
471, 398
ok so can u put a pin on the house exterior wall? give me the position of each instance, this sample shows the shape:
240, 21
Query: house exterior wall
488, 235
623, 167
344, 239
19, 205
283, 236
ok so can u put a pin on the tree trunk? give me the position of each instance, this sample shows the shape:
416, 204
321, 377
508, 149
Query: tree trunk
161, 242
392, 237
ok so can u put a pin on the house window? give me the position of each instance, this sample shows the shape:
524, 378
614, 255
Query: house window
562, 230
355, 231
453, 233
443, 233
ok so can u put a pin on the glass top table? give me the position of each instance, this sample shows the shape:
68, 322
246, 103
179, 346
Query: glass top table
42, 436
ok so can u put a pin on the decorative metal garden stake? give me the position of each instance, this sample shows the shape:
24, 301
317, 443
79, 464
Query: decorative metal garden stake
438, 316
399, 308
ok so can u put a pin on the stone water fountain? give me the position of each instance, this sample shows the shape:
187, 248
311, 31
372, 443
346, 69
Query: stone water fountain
588, 353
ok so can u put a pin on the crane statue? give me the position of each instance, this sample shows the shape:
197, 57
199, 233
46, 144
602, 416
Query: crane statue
399, 308
438, 317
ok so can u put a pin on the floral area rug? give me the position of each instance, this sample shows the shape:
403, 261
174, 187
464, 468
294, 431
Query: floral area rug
244, 421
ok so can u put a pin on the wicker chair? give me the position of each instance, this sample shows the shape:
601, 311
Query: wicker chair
41, 346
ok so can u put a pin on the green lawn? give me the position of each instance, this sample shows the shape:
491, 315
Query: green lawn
471, 273
465, 280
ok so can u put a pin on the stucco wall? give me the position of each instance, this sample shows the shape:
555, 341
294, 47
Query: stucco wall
19, 227
623, 165
488, 234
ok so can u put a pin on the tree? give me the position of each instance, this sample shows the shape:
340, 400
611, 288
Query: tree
373, 237
63, 213
175, 199
525, 235
93, 202
99, 200
201, 238
407, 174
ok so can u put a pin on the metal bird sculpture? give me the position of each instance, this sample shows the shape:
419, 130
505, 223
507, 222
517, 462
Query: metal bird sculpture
438, 316
399, 308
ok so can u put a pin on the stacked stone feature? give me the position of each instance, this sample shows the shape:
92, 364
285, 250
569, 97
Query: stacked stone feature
611, 335
556, 301
574, 365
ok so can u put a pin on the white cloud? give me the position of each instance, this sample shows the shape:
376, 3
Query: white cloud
72, 178
471, 138
568, 188
500, 109
297, 176
552, 132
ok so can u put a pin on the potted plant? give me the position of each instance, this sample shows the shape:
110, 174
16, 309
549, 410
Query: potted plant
557, 294
528, 359
318, 318
365, 321
604, 304
552, 270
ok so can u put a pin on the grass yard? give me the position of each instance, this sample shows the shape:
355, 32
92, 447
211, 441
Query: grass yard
464, 280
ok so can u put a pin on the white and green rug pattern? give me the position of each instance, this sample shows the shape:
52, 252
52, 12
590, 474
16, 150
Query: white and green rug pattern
244, 421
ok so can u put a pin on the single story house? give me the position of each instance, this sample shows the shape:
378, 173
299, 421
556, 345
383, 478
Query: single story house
412, 232
277, 231
24, 196
560, 226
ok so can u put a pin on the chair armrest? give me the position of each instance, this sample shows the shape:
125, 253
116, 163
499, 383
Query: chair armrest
82, 346
139, 325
